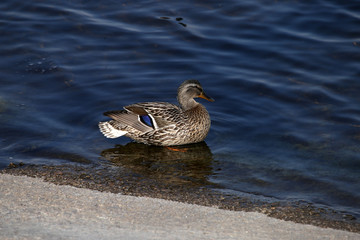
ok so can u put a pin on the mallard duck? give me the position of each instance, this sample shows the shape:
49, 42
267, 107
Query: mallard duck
162, 123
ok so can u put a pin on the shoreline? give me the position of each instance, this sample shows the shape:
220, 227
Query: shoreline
33, 208
81, 177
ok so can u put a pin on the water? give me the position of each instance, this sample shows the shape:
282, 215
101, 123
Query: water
284, 74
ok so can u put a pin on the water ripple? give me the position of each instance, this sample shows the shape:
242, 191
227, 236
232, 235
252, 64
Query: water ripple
284, 75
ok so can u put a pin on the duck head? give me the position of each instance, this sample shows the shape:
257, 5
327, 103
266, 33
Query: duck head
189, 90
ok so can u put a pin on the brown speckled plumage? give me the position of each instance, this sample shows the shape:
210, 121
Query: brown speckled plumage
170, 124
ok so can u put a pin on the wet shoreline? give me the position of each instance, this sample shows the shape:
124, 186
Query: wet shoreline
135, 185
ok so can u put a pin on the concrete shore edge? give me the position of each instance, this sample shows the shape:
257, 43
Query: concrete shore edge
33, 209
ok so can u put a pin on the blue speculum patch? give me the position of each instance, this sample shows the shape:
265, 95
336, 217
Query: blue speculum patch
146, 120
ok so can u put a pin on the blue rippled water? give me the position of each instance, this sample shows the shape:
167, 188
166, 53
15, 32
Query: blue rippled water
284, 74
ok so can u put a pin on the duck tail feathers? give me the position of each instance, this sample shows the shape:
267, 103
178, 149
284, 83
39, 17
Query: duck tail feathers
110, 130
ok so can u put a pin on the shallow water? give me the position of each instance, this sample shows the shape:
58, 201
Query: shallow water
284, 74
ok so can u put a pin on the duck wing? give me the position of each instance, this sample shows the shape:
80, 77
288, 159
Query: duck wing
161, 114
126, 119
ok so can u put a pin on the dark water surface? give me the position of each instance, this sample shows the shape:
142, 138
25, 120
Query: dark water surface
285, 76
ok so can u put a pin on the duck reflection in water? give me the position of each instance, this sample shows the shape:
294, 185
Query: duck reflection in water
190, 167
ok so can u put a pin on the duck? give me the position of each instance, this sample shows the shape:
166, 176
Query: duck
163, 123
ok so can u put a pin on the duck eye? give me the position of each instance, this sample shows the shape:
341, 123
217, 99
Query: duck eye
194, 90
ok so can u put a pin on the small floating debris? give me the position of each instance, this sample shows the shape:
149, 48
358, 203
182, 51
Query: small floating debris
14, 165
178, 19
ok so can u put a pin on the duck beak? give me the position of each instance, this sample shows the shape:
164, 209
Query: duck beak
204, 96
